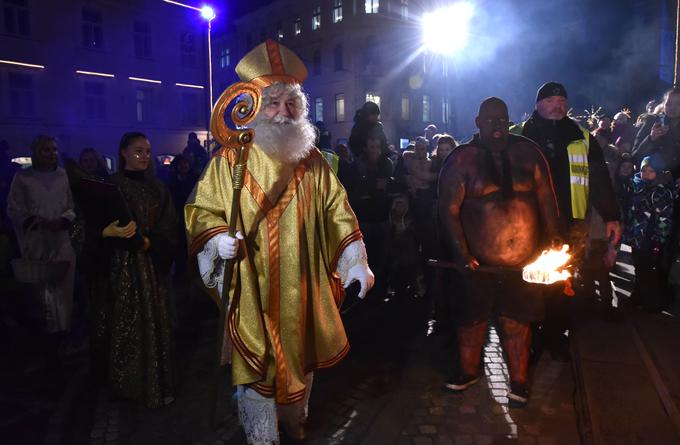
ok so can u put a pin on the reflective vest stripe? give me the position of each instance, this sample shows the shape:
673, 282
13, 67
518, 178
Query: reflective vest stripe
579, 175
579, 171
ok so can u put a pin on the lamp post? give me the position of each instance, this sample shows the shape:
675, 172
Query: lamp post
208, 13
437, 39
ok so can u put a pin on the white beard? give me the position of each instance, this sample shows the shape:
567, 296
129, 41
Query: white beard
286, 140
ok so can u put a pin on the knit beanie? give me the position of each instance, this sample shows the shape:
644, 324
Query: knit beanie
550, 89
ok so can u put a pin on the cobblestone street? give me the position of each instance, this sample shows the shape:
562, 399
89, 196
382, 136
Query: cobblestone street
386, 391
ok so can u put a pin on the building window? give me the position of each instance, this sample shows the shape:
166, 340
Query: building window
297, 26
426, 108
403, 9
371, 55
316, 62
190, 108
279, 31
318, 109
316, 18
95, 101
405, 108
337, 58
143, 104
187, 49
16, 14
93, 29
340, 107
337, 11
21, 95
142, 37
445, 110
371, 6
373, 97
225, 58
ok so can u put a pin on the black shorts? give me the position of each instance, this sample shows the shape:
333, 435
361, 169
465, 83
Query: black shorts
504, 293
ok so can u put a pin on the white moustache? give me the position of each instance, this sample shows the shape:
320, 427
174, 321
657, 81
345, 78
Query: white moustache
279, 119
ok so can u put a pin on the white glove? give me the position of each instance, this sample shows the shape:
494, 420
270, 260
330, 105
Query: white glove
363, 274
227, 247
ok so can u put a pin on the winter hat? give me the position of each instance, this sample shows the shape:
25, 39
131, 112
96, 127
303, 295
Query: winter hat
551, 89
653, 162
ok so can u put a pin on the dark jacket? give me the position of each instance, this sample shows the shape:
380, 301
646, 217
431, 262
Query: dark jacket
361, 132
553, 137
649, 214
664, 151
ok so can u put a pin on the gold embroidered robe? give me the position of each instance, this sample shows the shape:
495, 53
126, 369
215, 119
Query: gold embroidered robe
283, 319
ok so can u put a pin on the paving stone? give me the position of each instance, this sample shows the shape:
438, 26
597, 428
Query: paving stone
404, 441
467, 409
427, 429
532, 428
443, 440
410, 430
467, 428
483, 439
437, 411
439, 401
548, 411
464, 439
422, 440
496, 378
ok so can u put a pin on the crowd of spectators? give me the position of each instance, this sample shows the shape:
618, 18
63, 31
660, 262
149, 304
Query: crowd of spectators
392, 191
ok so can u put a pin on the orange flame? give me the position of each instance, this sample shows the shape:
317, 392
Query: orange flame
549, 267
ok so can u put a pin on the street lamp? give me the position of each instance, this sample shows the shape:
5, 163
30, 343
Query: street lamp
208, 13
446, 30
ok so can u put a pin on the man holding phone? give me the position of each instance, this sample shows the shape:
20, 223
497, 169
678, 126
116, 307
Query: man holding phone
660, 137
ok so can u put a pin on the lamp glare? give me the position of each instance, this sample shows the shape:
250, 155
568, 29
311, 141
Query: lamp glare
446, 30
207, 12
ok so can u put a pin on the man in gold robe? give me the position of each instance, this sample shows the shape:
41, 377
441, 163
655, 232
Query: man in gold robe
298, 243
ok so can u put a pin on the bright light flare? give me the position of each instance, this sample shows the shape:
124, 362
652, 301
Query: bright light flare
208, 12
447, 30
549, 268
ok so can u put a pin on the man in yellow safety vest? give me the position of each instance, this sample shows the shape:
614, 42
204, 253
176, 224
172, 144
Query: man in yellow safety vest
581, 182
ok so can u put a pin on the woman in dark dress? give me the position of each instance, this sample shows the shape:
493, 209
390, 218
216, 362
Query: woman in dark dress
133, 316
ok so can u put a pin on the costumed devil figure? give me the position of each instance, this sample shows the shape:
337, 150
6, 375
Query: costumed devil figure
497, 209
298, 242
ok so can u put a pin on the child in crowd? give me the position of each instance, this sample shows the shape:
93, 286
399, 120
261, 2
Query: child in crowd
648, 221
404, 269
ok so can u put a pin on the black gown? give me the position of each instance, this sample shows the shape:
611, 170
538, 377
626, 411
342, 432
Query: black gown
133, 315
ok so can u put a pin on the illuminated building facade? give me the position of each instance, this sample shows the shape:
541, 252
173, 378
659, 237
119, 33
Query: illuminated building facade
88, 71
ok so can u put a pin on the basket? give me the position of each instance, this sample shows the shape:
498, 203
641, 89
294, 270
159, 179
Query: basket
39, 271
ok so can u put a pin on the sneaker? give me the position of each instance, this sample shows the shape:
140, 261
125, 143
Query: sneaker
518, 394
461, 383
